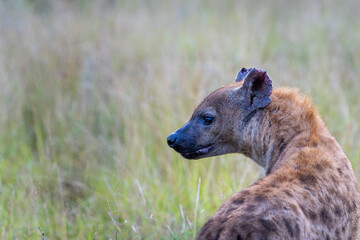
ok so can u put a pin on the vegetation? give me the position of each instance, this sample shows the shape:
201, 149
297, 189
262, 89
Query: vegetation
91, 89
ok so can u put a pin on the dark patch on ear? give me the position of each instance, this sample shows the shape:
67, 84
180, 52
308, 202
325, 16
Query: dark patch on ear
258, 80
258, 88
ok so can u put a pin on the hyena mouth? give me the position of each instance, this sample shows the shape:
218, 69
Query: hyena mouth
197, 153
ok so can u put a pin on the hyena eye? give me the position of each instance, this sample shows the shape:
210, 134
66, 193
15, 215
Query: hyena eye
208, 119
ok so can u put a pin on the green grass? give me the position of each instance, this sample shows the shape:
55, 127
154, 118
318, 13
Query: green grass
89, 92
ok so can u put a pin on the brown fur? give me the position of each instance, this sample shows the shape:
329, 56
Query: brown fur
310, 191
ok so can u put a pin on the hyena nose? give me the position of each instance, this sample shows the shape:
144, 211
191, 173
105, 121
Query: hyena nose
171, 140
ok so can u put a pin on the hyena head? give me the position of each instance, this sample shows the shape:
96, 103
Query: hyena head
217, 124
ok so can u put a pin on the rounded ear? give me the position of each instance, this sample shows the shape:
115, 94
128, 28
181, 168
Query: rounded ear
257, 88
242, 74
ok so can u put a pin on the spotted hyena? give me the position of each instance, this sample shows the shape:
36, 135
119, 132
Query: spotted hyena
310, 190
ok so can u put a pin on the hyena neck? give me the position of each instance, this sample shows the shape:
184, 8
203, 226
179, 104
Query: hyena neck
287, 125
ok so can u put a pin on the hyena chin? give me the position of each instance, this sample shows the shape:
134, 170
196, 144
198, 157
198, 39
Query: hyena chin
310, 190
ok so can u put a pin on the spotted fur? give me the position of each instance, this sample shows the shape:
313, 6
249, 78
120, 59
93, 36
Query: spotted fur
310, 190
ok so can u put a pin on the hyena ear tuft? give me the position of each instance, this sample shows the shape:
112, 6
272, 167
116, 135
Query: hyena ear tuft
258, 88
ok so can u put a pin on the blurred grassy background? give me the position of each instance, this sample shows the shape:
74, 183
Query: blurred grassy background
89, 91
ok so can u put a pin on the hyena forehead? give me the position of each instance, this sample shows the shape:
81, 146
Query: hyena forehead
220, 96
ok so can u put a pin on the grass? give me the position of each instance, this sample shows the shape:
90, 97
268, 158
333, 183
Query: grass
90, 90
